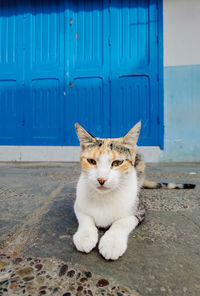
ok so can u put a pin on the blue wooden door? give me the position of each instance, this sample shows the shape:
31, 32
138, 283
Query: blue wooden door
32, 72
113, 72
95, 62
88, 69
134, 69
43, 72
11, 101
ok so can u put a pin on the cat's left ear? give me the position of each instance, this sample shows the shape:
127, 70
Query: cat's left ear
85, 138
131, 138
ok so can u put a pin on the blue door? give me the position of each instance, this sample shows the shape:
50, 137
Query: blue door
43, 72
95, 62
11, 61
31, 72
88, 100
134, 69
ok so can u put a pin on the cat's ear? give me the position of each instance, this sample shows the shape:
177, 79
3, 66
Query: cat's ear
85, 138
131, 138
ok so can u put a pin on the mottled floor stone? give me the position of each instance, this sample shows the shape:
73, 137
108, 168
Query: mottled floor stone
39, 276
37, 223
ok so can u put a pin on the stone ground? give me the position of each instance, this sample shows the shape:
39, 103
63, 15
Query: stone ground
37, 256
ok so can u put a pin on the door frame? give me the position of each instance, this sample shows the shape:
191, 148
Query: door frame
161, 76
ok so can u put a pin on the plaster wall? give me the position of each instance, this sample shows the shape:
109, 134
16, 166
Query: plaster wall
181, 80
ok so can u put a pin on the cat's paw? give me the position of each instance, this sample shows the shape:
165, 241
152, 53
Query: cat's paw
86, 240
112, 246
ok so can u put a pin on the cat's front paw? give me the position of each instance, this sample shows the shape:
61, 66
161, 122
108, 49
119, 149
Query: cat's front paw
86, 240
112, 246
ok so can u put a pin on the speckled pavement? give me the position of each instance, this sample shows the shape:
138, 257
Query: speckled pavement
37, 256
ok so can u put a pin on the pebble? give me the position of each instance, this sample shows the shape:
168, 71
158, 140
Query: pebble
71, 273
31, 290
43, 288
28, 278
162, 289
13, 286
40, 280
80, 288
38, 267
4, 277
63, 270
17, 260
29, 259
88, 274
2, 264
84, 279
25, 271
52, 277
55, 290
184, 289
102, 283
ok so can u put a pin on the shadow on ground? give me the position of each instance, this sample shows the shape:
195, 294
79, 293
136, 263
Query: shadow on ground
37, 224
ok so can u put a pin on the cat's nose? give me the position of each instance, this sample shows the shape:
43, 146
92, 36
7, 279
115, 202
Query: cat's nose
101, 181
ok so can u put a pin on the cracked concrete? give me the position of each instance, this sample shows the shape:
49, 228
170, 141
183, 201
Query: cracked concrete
37, 221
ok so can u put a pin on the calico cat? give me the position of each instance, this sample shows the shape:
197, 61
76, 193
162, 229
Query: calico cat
108, 192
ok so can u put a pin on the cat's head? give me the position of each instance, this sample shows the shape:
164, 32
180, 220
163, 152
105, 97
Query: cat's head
107, 163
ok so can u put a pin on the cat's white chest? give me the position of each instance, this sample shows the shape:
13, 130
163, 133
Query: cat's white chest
108, 211
105, 209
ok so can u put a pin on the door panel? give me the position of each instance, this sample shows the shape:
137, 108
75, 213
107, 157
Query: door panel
88, 99
44, 71
87, 26
11, 101
134, 68
132, 94
43, 122
87, 105
11, 113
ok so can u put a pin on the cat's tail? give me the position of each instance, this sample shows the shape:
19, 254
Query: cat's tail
156, 185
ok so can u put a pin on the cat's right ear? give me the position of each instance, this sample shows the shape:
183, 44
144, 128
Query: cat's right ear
85, 138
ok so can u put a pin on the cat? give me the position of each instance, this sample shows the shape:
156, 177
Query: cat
107, 193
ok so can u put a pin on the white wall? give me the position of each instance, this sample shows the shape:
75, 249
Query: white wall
181, 32
181, 80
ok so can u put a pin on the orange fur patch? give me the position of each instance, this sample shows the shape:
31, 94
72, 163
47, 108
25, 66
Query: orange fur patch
85, 164
96, 152
124, 167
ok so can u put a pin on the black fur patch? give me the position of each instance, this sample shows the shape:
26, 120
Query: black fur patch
137, 159
189, 186
141, 212
158, 186
99, 143
178, 186
95, 144
120, 149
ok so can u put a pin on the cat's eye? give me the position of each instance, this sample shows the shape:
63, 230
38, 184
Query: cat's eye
116, 163
91, 161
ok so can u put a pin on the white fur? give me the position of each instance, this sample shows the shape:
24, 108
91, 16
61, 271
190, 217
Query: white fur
112, 206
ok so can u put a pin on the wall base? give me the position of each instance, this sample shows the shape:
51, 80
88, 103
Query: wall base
60, 153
